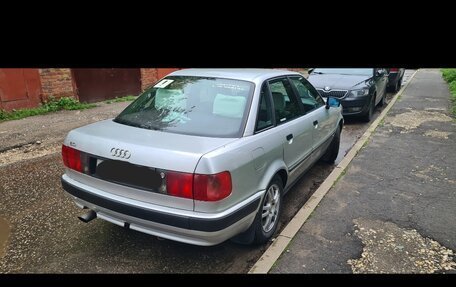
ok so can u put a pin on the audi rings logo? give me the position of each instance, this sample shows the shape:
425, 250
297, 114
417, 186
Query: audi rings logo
121, 153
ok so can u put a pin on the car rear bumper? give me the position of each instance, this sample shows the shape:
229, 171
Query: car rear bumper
393, 77
198, 228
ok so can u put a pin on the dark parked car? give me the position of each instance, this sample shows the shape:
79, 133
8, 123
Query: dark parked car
395, 78
359, 89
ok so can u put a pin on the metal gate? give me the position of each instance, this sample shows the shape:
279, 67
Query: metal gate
94, 85
19, 88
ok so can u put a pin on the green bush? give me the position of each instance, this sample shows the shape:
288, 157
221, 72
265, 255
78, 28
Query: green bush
66, 103
449, 75
2, 115
53, 105
453, 95
122, 99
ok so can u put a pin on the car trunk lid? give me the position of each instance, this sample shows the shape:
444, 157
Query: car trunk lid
137, 159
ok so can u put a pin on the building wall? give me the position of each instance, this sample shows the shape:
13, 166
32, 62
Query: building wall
59, 82
56, 82
148, 77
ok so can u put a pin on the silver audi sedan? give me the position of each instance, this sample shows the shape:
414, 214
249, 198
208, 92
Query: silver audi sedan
204, 155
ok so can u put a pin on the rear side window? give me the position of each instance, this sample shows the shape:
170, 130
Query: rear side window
264, 118
286, 107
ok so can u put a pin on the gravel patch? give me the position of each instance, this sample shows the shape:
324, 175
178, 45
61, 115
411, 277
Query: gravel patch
389, 248
413, 119
28, 151
437, 134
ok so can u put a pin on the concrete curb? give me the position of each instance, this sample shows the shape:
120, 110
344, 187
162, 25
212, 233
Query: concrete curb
272, 254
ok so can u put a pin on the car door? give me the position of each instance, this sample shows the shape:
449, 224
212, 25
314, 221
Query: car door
323, 120
293, 126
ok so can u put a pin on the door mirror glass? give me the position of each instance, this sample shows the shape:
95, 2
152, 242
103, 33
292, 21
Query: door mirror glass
332, 102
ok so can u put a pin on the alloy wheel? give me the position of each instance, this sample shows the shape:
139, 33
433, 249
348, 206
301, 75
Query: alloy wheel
271, 207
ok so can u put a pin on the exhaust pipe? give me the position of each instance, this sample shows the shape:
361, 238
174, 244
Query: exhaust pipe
90, 215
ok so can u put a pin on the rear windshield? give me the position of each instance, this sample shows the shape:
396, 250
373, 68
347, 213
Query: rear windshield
201, 106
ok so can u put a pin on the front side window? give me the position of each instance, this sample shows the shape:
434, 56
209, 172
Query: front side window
286, 107
201, 106
310, 99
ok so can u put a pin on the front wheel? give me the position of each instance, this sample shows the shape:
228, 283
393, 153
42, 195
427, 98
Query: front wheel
368, 116
332, 152
383, 100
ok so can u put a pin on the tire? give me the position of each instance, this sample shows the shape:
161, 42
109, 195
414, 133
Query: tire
368, 116
273, 197
398, 85
383, 101
332, 152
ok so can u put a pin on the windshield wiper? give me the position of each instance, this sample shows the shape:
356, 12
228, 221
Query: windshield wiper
319, 73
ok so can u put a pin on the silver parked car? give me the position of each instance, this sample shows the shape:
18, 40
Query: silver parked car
204, 155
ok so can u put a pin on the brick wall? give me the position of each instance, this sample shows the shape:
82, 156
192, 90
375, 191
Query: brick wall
56, 82
148, 77
303, 71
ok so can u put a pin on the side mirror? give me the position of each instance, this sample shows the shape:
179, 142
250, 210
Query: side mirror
379, 73
332, 102
310, 70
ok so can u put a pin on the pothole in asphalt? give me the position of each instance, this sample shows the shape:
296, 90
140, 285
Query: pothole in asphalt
389, 248
413, 119
4, 234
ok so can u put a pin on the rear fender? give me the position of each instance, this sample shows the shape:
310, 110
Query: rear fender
271, 170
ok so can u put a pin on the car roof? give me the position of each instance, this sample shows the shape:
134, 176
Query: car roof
252, 75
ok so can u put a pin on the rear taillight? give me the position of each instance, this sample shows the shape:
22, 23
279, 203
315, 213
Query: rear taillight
179, 184
394, 69
71, 158
212, 187
204, 187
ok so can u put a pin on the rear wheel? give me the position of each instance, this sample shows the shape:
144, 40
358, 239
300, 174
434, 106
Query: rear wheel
267, 218
398, 85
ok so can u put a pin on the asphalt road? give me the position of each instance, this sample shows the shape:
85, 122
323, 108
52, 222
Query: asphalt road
40, 232
393, 210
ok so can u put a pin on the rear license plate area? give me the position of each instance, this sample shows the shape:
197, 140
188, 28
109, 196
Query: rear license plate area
127, 174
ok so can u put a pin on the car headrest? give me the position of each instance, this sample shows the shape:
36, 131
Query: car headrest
170, 98
229, 106
279, 100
